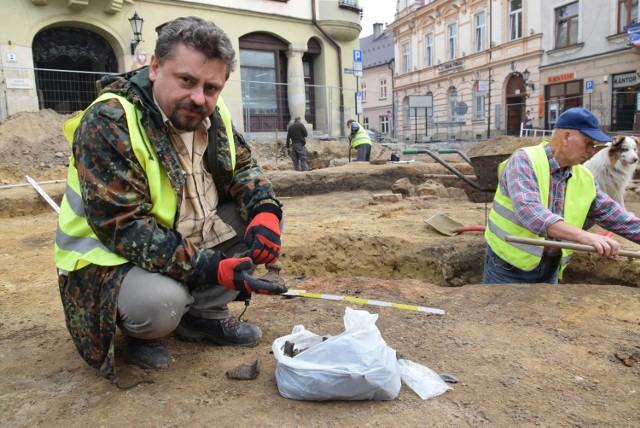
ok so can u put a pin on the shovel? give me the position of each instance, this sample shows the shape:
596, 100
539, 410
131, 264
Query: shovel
565, 244
447, 226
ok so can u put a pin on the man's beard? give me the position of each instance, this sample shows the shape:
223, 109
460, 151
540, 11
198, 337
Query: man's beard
185, 122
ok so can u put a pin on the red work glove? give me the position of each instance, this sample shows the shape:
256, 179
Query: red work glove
263, 238
232, 274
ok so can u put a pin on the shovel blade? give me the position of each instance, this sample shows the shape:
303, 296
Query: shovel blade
444, 224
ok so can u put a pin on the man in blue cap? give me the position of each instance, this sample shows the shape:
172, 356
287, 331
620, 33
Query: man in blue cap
545, 193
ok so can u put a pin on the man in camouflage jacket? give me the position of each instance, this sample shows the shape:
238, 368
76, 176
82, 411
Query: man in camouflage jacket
117, 204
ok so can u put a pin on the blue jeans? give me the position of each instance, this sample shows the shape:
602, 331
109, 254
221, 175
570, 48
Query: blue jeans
497, 271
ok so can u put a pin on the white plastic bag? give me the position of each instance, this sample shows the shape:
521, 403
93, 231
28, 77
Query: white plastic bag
354, 365
422, 380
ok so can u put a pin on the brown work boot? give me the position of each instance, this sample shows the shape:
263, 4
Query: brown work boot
225, 332
147, 354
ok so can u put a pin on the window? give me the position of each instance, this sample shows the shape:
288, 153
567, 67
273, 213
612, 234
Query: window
309, 93
365, 122
515, 19
567, 25
363, 91
384, 124
383, 89
479, 21
452, 35
259, 66
627, 13
478, 104
406, 60
428, 50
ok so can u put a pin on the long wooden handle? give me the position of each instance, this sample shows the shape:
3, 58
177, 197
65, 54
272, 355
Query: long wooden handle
565, 244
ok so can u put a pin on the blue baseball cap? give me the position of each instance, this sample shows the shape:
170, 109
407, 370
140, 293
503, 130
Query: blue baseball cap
584, 121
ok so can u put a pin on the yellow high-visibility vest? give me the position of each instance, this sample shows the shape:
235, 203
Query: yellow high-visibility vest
76, 244
580, 194
361, 137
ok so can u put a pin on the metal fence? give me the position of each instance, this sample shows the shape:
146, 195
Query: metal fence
258, 108
262, 110
617, 112
66, 91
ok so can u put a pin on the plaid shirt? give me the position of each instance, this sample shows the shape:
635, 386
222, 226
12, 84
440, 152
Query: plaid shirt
519, 183
198, 221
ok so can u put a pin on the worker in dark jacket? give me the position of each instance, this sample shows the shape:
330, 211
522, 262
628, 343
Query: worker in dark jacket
165, 211
296, 140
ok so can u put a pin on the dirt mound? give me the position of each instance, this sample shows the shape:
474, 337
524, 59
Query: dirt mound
33, 144
503, 145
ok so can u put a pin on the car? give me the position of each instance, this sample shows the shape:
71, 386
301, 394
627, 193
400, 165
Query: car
374, 135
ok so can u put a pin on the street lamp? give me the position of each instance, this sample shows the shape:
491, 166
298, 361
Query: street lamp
136, 26
525, 75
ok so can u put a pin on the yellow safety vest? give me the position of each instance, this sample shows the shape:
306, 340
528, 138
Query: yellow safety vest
361, 137
76, 244
580, 193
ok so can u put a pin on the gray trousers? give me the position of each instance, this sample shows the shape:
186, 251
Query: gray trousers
299, 157
150, 305
364, 152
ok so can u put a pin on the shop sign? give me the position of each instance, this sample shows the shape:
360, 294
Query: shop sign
483, 86
19, 83
561, 77
451, 65
624, 80
633, 31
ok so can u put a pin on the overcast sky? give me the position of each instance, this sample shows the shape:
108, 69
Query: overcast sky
376, 11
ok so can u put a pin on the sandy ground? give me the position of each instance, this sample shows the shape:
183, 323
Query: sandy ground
525, 355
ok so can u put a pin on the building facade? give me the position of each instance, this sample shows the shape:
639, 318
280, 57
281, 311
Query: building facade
470, 69
461, 66
589, 61
376, 84
291, 55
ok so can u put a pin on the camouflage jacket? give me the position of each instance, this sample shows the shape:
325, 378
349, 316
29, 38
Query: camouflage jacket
117, 204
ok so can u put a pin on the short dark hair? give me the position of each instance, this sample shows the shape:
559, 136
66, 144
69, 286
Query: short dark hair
204, 36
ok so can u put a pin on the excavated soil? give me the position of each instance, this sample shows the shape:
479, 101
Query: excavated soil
525, 355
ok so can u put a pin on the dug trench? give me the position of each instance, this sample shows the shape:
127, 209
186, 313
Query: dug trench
362, 219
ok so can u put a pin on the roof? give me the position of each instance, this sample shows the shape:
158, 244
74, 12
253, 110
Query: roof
376, 52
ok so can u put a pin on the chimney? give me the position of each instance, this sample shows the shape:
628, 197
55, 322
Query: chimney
377, 30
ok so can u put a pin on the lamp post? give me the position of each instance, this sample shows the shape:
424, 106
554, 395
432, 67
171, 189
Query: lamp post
136, 26
525, 75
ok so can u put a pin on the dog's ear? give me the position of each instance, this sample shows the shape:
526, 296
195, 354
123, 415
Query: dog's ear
617, 140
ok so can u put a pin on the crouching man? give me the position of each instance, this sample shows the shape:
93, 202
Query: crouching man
166, 212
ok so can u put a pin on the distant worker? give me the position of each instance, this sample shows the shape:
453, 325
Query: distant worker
527, 122
545, 192
359, 140
295, 145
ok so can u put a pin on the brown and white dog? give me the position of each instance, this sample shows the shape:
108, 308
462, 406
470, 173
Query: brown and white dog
613, 166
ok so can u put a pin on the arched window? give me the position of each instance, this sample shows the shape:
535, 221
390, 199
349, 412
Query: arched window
478, 103
407, 111
452, 96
